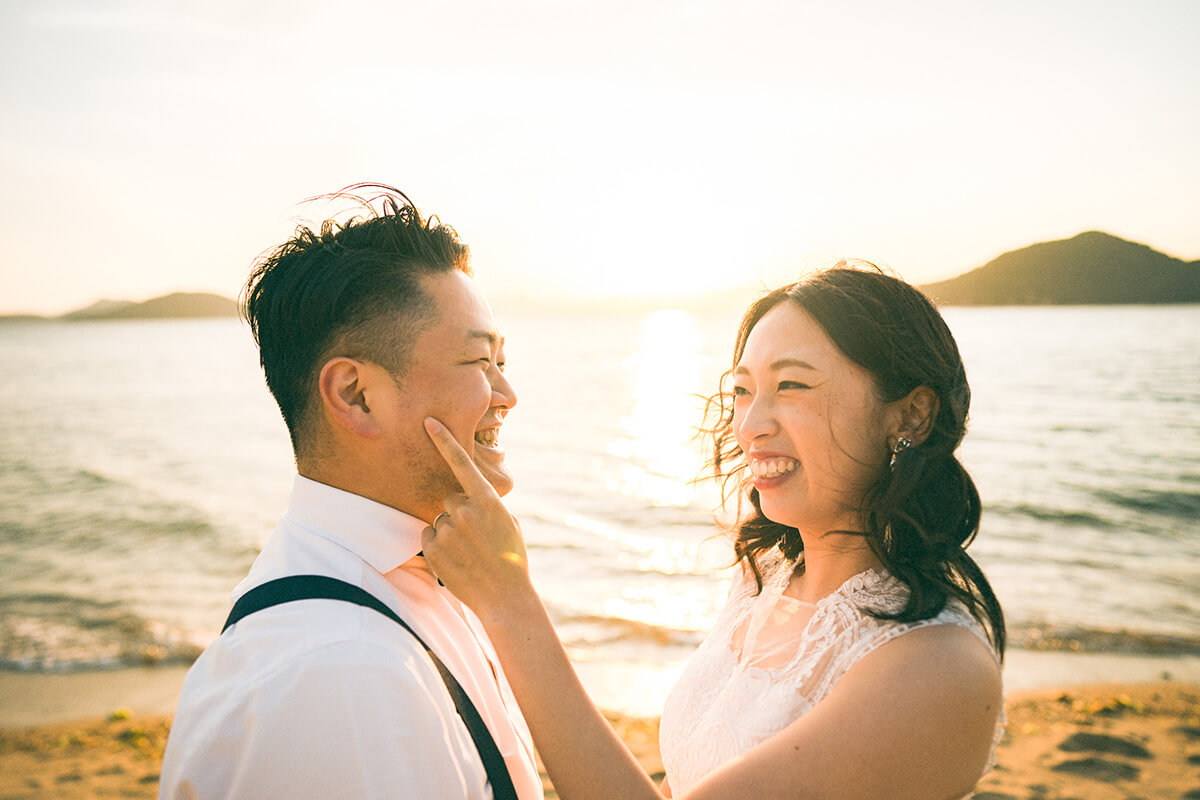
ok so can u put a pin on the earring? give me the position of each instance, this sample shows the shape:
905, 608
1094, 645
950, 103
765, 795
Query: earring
902, 444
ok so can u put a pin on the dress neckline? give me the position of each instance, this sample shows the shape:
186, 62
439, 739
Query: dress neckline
796, 601
767, 601
864, 580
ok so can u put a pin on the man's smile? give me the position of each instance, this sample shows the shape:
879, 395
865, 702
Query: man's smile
488, 437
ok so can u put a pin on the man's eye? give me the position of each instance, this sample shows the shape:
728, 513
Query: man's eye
500, 365
741, 391
783, 385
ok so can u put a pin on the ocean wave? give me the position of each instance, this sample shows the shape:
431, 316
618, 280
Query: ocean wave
1167, 503
63, 633
604, 630
1046, 514
114, 531
88, 479
1094, 640
25, 475
651, 548
593, 631
1076, 428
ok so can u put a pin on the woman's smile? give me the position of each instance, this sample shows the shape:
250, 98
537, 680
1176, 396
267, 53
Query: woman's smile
770, 470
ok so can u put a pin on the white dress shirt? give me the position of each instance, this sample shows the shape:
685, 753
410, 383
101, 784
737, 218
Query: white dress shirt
326, 698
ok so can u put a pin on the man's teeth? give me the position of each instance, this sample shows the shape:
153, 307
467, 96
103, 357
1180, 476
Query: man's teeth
772, 467
488, 437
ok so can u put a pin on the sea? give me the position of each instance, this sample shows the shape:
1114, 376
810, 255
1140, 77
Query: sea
143, 464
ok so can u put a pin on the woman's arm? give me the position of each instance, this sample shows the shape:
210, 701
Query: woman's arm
583, 755
912, 721
478, 552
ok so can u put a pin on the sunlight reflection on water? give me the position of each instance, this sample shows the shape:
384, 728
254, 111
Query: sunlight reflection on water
660, 458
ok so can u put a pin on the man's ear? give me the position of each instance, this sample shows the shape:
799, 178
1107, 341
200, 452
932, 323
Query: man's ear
916, 413
343, 384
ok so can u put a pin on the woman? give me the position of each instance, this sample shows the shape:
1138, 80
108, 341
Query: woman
859, 652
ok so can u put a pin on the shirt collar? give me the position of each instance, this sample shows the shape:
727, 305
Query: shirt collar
380, 535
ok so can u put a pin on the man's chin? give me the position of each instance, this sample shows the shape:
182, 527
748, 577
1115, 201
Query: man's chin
494, 471
500, 480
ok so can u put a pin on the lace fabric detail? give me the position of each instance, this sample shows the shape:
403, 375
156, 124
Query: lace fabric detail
743, 685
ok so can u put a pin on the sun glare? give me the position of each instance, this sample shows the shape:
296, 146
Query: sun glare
659, 457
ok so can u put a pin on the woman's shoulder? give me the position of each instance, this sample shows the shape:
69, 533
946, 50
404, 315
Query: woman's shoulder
952, 657
877, 594
937, 685
952, 643
955, 642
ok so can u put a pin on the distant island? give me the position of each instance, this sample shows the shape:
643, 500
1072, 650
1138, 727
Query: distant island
1092, 268
179, 305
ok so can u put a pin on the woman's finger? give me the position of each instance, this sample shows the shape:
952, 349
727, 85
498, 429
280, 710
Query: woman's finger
469, 476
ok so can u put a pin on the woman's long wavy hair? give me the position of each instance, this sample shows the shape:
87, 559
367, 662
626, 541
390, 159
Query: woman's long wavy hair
917, 518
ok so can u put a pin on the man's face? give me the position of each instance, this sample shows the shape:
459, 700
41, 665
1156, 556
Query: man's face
456, 375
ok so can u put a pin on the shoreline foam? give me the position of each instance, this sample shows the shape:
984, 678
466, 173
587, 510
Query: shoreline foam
46, 698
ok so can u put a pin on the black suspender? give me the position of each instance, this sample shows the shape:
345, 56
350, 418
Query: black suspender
321, 587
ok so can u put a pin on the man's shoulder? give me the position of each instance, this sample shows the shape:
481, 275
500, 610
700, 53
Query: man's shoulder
300, 638
304, 681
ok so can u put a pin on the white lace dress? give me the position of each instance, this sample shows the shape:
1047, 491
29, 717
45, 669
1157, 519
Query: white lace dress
771, 657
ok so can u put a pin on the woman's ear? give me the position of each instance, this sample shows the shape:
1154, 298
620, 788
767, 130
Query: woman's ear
916, 413
343, 384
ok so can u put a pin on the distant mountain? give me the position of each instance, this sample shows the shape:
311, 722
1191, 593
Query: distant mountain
171, 306
99, 309
1090, 269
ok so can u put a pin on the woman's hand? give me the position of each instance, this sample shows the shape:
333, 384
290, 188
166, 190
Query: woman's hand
478, 552
475, 547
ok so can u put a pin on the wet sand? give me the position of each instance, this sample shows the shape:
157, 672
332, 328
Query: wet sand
1096, 742
1100, 742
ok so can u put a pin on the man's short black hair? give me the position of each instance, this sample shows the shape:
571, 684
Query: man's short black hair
350, 289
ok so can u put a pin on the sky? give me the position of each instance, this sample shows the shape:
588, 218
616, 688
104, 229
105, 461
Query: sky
589, 149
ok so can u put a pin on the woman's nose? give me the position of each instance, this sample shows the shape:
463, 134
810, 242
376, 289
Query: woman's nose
757, 419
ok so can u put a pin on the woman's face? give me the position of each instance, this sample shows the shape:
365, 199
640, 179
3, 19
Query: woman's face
809, 421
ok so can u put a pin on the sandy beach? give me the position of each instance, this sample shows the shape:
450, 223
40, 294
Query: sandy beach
1121, 741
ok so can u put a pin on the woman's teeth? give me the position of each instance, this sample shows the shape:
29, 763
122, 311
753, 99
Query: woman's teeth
772, 467
488, 437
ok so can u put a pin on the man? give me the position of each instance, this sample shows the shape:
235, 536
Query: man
364, 329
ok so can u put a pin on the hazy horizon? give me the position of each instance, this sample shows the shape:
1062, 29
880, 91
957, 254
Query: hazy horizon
728, 300
589, 149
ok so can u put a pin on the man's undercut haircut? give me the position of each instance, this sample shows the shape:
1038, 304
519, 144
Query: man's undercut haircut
350, 289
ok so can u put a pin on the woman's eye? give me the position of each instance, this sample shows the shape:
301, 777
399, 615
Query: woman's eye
793, 385
741, 391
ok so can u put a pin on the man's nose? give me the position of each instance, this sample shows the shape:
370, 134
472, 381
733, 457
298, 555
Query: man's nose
503, 394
